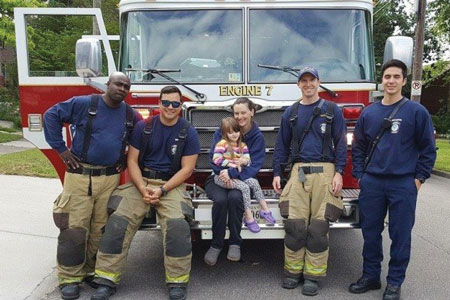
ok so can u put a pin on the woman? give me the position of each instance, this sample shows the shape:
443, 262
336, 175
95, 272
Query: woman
227, 202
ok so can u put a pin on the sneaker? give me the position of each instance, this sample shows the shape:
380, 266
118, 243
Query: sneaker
211, 256
310, 287
252, 226
70, 291
267, 215
234, 253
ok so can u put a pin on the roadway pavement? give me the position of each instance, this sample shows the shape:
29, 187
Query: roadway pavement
15, 146
28, 248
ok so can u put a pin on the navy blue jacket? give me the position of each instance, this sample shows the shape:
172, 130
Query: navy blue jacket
108, 129
407, 148
311, 149
257, 148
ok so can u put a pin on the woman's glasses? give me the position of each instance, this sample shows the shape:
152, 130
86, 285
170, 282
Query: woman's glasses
167, 103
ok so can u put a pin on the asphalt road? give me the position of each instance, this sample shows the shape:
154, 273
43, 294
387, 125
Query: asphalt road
259, 275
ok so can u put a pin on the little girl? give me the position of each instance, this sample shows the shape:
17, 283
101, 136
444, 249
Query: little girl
231, 152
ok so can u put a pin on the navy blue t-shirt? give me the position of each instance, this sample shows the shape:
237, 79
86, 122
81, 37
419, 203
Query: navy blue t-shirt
408, 147
108, 129
311, 149
159, 154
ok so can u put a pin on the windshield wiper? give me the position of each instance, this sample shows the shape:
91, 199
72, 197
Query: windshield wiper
200, 96
294, 72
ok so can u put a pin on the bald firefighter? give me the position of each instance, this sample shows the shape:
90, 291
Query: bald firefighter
100, 126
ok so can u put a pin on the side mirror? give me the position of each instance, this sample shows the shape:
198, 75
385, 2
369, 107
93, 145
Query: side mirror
88, 58
401, 48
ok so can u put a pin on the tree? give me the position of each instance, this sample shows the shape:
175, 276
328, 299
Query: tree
441, 11
7, 17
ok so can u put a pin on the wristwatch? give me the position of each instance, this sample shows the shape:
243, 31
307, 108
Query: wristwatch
421, 180
163, 190
340, 171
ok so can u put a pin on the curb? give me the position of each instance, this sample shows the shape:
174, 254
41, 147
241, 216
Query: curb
47, 286
440, 173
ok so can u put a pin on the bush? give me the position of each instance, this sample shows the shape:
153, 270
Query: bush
441, 121
9, 106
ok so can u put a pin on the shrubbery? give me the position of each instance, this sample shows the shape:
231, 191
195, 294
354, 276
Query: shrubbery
441, 121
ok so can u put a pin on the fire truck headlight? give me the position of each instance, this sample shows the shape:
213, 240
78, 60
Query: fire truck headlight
349, 138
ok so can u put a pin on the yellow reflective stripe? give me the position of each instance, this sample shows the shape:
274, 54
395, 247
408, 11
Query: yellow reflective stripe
63, 280
114, 277
294, 266
179, 279
315, 270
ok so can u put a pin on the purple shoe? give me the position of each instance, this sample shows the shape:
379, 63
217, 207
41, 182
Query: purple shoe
267, 216
253, 226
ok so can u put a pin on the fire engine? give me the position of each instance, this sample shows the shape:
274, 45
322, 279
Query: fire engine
216, 51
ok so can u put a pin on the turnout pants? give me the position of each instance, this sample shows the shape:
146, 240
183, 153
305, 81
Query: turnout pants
80, 219
398, 194
122, 225
308, 207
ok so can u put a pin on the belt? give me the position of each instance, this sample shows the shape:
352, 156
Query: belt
312, 169
152, 174
108, 171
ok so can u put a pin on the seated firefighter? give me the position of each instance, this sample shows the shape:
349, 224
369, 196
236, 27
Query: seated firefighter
162, 155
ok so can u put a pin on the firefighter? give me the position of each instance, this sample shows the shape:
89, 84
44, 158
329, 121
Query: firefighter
93, 167
393, 153
312, 139
162, 155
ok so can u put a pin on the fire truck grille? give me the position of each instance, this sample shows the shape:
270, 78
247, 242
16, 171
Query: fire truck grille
212, 118
208, 120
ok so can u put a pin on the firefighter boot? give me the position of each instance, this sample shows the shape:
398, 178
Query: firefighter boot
103, 292
70, 291
310, 288
290, 282
177, 292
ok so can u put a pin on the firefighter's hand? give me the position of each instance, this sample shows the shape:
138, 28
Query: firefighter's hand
70, 160
155, 194
121, 166
337, 183
276, 183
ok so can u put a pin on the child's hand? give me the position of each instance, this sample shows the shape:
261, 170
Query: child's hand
232, 165
239, 168
243, 161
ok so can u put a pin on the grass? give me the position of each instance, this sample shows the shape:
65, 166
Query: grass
28, 163
443, 155
9, 137
12, 130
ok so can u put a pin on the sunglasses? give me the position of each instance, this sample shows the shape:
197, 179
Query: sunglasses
167, 103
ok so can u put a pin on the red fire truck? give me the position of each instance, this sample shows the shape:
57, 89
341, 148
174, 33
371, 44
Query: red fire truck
216, 51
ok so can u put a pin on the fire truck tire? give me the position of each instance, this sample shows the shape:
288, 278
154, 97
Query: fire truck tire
295, 238
112, 240
317, 240
71, 247
178, 238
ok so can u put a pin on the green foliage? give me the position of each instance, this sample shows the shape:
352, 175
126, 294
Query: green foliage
7, 17
441, 10
441, 121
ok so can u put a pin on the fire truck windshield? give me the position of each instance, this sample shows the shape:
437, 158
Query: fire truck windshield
207, 45
336, 42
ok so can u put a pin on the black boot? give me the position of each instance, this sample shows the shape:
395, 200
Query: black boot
392, 292
70, 291
177, 292
89, 280
290, 282
363, 285
103, 292
310, 288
